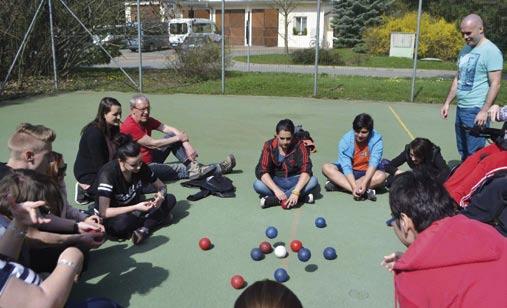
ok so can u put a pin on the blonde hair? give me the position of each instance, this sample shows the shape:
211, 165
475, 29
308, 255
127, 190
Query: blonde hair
30, 137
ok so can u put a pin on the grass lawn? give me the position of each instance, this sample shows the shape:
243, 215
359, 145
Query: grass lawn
354, 59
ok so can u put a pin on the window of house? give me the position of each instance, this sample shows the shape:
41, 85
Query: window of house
299, 26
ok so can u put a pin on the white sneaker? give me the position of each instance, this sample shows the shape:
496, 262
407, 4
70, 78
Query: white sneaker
309, 199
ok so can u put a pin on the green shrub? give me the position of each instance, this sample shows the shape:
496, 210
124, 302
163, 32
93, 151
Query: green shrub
438, 38
360, 48
326, 56
201, 63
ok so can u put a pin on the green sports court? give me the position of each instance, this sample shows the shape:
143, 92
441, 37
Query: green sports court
170, 270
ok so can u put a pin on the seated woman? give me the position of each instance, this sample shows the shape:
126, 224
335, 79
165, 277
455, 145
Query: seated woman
358, 169
421, 153
284, 172
119, 189
96, 147
45, 242
20, 286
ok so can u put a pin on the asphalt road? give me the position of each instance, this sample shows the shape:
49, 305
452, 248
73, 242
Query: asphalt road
163, 58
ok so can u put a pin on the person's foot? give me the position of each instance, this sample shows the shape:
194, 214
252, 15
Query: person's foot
198, 171
269, 201
371, 194
80, 195
330, 186
140, 235
309, 199
228, 164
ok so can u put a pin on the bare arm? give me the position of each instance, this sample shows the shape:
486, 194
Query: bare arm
444, 111
495, 79
53, 292
107, 212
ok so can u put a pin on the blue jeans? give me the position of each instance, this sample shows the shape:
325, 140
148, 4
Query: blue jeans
466, 144
285, 184
172, 171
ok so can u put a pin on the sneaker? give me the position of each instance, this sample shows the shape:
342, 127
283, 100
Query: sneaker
330, 186
140, 235
80, 195
199, 171
371, 194
269, 201
309, 199
228, 164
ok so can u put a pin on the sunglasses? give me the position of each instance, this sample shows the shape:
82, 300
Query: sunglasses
390, 221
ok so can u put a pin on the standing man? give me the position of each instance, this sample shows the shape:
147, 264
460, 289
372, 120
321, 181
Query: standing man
476, 84
154, 151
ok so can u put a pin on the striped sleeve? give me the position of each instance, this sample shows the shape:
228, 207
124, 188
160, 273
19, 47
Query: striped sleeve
12, 269
306, 163
105, 186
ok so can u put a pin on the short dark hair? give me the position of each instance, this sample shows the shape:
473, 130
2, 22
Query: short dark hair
362, 120
268, 294
286, 125
422, 148
422, 199
126, 147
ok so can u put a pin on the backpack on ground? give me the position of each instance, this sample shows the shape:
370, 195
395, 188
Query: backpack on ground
217, 185
304, 135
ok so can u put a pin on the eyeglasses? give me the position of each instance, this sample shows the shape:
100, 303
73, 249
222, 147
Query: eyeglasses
147, 109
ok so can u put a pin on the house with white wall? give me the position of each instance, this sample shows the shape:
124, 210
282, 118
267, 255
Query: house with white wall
258, 22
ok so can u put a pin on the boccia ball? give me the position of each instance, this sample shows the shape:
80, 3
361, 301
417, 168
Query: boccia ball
237, 282
320, 222
281, 275
304, 254
265, 247
271, 232
280, 251
296, 245
205, 243
284, 204
256, 254
329, 253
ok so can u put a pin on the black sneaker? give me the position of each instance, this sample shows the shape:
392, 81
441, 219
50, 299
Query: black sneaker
269, 201
80, 195
309, 199
371, 194
330, 186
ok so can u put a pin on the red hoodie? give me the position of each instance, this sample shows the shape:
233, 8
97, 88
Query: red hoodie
456, 262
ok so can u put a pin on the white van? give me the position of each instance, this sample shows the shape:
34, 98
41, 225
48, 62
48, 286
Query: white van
180, 28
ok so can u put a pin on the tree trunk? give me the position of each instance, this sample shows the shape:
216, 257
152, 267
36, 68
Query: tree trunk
286, 36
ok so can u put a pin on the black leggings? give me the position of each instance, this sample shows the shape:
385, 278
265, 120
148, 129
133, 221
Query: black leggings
123, 225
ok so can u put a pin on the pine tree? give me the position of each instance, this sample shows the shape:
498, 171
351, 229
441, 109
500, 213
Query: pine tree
353, 16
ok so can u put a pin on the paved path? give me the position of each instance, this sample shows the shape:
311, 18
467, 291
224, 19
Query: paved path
161, 59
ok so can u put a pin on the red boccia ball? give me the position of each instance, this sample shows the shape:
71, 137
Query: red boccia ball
284, 204
237, 282
296, 245
205, 243
265, 247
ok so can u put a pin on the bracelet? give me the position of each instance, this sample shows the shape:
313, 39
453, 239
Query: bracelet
163, 190
295, 192
67, 263
20, 233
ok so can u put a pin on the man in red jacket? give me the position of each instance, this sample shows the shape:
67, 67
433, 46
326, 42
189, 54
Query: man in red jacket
451, 261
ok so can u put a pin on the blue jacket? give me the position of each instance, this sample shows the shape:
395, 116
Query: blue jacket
346, 150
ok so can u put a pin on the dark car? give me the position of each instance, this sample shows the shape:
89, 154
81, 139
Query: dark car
153, 37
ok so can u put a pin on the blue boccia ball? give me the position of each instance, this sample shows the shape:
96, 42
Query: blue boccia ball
329, 253
320, 222
304, 254
256, 254
271, 232
281, 275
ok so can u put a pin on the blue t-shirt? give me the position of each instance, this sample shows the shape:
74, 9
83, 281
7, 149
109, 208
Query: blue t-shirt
474, 64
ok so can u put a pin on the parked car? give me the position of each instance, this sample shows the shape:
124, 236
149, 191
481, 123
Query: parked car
195, 41
153, 37
181, 28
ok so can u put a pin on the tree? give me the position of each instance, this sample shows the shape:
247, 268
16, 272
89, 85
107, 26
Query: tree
352, 17
285, 7
492, 12
74, 47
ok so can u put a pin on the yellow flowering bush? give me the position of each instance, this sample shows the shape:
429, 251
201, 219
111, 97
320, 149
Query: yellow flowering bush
438, 39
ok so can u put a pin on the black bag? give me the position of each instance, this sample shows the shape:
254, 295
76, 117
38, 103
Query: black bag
217, 185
